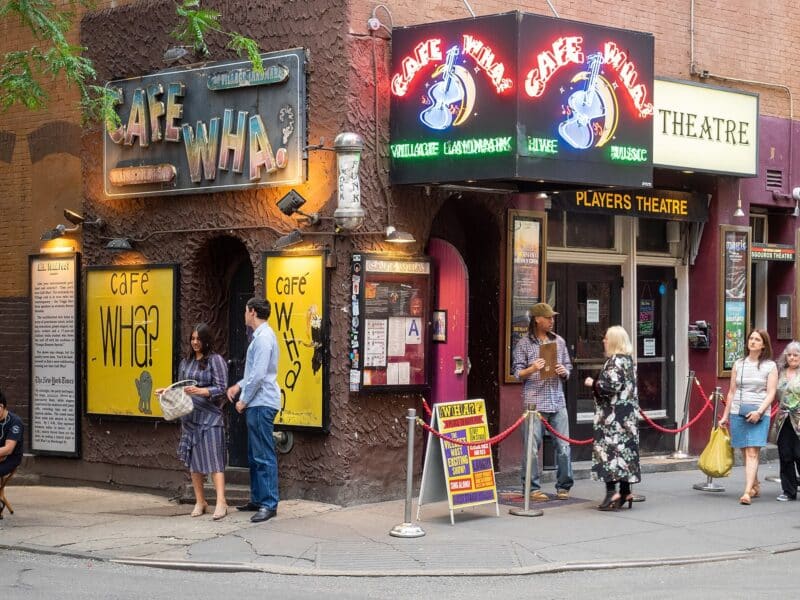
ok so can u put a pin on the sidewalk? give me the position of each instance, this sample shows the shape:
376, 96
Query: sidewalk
676, 524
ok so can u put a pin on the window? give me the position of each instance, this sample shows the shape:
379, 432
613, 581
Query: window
577, 230
652, 236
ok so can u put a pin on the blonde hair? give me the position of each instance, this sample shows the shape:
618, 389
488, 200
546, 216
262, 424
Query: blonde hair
617, 341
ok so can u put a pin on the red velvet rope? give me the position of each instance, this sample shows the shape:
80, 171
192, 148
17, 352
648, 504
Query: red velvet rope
694, 420
501, 436
491, 441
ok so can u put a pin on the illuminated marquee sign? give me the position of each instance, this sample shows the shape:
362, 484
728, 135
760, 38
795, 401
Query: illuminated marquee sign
521, 97
220, 127
651, 204
453, 100
585, 103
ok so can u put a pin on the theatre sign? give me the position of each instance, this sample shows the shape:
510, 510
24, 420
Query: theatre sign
220, 127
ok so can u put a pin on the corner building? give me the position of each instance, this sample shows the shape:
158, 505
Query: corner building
639, 175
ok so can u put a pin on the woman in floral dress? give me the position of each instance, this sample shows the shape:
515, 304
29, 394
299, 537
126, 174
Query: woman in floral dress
615, 452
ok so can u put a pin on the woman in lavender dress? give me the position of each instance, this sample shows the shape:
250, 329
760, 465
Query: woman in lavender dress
202, 443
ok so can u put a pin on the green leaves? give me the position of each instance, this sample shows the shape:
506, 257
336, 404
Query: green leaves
197, 22
24, 73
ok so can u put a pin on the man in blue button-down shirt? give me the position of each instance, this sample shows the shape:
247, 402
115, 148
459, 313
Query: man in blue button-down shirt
260, 400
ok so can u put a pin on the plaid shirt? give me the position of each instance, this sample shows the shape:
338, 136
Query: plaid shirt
547, 394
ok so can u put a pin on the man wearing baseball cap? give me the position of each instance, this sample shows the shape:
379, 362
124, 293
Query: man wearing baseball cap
547, 393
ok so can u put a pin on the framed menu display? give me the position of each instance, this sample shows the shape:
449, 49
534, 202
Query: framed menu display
734, 291
390, 313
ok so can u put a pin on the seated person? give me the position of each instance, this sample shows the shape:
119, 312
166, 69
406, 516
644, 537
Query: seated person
11, 432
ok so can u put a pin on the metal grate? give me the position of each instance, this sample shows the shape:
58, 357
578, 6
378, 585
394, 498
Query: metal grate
774, 179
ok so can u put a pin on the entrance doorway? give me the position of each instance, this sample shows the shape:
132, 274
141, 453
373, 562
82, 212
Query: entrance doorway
588, 300
468, 280
241, 290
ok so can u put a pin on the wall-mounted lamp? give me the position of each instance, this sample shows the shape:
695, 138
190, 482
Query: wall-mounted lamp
121, 244
393, 236
796, 196
57, 231
349, 214
74, 218
292, 238
739, 212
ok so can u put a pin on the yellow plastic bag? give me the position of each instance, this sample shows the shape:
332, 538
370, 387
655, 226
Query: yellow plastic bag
717, 458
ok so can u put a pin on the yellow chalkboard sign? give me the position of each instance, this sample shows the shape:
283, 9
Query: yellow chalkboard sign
296, 287
130, 337
468, 470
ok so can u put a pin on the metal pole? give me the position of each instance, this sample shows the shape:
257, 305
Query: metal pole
531, 454
407, 529
709, 485
680, 453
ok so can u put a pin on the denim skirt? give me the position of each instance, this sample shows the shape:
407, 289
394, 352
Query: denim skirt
748, 435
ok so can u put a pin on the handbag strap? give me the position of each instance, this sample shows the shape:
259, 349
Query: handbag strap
181, 383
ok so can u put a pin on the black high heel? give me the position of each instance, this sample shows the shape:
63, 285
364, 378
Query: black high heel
610, 502
621, 501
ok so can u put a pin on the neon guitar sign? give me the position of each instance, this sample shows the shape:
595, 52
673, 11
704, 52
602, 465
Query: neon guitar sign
443, 95
586, 105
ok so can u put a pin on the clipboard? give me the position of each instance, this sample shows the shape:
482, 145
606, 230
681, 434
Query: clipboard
549, 352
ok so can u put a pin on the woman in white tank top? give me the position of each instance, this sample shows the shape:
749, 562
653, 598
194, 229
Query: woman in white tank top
754, 381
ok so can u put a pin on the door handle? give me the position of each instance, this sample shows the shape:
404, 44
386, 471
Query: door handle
469, 365
459, 365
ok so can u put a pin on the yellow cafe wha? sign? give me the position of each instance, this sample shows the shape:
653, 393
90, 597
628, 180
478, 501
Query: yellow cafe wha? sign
296, 287
130, 337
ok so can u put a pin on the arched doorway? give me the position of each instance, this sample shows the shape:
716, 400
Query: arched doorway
472, 227
226, 276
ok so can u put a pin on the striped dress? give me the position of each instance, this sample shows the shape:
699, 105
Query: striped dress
202, 444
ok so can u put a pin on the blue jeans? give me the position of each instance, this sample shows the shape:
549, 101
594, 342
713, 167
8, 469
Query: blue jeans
560, 422
261, 456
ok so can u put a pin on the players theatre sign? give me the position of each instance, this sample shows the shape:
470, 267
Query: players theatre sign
521, 97
224, 126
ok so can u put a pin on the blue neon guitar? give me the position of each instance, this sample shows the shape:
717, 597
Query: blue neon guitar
442, 94
586, 105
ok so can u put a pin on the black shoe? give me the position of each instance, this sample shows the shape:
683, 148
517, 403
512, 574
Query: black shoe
249, 507
263, 514
610, 501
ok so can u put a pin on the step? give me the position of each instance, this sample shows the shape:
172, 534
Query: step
234, 493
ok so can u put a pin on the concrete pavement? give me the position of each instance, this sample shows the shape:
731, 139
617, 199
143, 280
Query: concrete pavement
676, 525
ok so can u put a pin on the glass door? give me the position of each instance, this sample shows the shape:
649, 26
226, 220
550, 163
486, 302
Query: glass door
655, 340
588, 298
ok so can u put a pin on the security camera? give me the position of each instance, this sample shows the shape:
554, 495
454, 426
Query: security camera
291, 203
796, 194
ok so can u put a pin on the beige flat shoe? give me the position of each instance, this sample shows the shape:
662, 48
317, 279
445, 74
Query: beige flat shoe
199, 509
220, 512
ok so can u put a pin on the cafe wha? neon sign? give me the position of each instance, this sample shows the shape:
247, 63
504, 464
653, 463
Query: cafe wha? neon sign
568, 50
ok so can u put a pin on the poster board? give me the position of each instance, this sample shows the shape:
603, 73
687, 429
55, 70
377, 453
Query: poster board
463, 475
55, 376
526, 249
734, 290
131, 324
297, 287
390, 324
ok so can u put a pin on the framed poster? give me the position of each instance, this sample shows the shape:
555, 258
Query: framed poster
734, 289
131, 341
439, 326
525, 275
55, 376
297, 287
390, 319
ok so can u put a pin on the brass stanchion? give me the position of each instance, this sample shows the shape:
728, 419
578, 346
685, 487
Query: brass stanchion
407, 529
709, 485
531, 454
